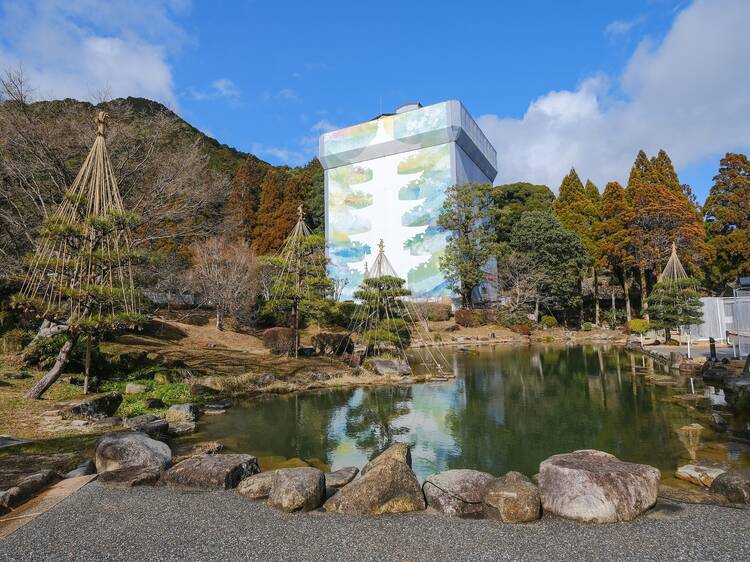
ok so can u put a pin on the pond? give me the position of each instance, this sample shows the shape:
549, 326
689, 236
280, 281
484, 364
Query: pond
508, 408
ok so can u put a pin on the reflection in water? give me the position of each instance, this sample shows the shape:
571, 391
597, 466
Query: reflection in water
508, 409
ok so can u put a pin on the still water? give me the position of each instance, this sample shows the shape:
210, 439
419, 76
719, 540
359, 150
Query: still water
508, 408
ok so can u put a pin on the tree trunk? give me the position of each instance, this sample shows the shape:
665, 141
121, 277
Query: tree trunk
536, 310
54, 373
596, 297
644, 293
626, 293
87, 367
667, 335
219, 319
614, 310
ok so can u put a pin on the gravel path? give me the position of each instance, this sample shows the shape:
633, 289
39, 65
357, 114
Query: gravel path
98, 523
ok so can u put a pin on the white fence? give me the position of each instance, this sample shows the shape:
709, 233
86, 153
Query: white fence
726, 319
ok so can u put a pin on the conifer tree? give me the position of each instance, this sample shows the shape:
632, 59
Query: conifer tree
244, 199
675, 303
385, 326
727, 212
616, 245
277, 211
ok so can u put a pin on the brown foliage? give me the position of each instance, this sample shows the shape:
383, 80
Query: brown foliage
277, 212
279, 340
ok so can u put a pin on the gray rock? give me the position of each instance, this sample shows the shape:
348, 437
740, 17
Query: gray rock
512, 498
734, 485
153, 403
182, 428
108, 422
150, 424
130, 476
182, 412
386, 367
257, 486
594, 486
458, 492
297, 489
341, 477
184, 451
26, 488
128, 449
397, 451
388, 487
92, 407
83, 469
700, 474
211, 472
135, 388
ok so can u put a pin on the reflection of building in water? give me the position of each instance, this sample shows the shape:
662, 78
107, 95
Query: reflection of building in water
715, 395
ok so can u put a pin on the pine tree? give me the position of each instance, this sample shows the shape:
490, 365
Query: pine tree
727, 212
675, 303
244, 199
616, 244
385, 326
311, 178
277, 211
79, 279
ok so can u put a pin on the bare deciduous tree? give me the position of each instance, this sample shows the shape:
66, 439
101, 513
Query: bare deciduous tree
521, 281
226, 274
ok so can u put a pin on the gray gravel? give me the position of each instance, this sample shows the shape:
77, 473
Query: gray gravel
98, 523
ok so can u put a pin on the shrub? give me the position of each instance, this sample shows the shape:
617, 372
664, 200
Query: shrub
434, 311
279, 340
468, 318
638, 326
522, 329
587, 326
15, 339
549, 321
337, 344
342, 314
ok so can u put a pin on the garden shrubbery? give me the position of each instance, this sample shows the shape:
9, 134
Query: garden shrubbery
549, 322
327, 342
638, 326
279, 340
434, 311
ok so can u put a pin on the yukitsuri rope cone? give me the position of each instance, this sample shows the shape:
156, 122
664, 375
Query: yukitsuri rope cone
673, 271
80, 277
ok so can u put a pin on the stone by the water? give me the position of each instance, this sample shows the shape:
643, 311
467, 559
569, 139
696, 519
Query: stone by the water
92, 407
457, 492
182, 428
341, 477
120, 450
512, 498
698, 474
297, 489
83, 469
182, 412
150, 424
594, 486
211, 472
387, 367
25, 489
397, 451
734, 485
257, 486
130, 476
389, 486
184, 451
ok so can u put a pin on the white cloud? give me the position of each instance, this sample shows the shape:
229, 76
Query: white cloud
284, 94
622, 27
80, 47
689, 95
288, 156
221, 88
323, 126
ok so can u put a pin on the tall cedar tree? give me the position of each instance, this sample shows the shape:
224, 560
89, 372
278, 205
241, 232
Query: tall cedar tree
727, 212
663, 214
465, 215
277, 213
311, 190
577, 210
244, 199
558, 251
616, 243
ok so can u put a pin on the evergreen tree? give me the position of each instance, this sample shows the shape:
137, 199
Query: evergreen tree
510, 201
311, 190
675, 303
466, 216
244, 199
558, 251
727, 212
385, 326
616, 245
277, 212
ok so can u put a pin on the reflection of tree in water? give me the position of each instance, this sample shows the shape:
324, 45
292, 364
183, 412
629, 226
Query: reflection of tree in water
370, 423
556, 400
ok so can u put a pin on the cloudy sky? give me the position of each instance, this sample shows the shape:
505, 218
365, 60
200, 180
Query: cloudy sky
552, 84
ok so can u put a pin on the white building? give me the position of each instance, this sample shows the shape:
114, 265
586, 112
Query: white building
386, 179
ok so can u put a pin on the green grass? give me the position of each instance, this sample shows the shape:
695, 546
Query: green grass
135, 404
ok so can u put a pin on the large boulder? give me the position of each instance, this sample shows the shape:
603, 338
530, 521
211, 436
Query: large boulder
211, 472
699, 474
341, 477
26, 488
120, 450
130, 476
257, 486
512, 498
597, 487
102, 406
149, 424
389, 486
182, 412
83, 469
184, 451
734, 485
457, 492
297, 489
397, 451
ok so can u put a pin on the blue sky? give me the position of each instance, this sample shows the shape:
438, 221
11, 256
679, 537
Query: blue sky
553, 84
